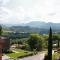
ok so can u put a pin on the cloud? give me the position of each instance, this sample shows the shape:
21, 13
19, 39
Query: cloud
3, 2
23, 11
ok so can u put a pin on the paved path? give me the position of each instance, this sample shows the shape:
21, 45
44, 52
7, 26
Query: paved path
39, 56
36, 57
5, 57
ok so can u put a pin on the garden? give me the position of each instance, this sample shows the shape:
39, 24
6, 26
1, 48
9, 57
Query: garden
18, 53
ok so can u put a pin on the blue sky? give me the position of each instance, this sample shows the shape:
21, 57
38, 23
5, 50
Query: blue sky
24, 11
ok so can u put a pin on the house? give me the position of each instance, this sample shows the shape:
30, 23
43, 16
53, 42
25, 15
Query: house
20, 46
4, 43
13, 46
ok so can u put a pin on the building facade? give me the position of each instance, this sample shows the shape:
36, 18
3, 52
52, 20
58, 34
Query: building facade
4, 43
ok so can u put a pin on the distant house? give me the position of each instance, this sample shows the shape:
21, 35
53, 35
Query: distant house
13, 46
20, 46
4, 43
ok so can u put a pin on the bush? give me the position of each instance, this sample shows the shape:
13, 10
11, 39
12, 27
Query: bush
9, 51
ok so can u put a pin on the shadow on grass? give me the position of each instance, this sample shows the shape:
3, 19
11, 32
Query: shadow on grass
8, 52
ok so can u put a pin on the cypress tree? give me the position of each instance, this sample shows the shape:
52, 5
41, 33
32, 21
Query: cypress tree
50, 45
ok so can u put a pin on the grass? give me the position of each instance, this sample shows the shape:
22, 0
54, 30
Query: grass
55, 56
20, 54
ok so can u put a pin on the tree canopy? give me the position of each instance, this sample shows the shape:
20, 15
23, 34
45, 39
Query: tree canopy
35, 42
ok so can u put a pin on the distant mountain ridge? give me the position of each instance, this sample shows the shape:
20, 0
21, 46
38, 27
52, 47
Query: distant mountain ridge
38, 24
34, 26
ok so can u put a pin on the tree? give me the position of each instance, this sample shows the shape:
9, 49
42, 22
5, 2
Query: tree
0, 30
50, 45
45, 41
35, 42
0, 45
56, 37
58, 41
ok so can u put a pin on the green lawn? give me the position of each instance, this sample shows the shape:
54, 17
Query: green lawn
21, 53
55, 56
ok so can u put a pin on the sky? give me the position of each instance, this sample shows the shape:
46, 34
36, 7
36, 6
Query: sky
24, 11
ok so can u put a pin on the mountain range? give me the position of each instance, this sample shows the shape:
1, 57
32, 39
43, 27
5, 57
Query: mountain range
44, 25
34, 26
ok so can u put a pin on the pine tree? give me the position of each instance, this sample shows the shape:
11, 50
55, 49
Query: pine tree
50, 45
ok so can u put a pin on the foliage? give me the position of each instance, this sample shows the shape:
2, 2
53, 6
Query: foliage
55, 56
21, 53
35, 42
56, 37
18, 41
41, 40
0, 30
50, 45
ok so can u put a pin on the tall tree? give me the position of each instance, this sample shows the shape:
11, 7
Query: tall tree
0, 30
0, 43
50, 45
